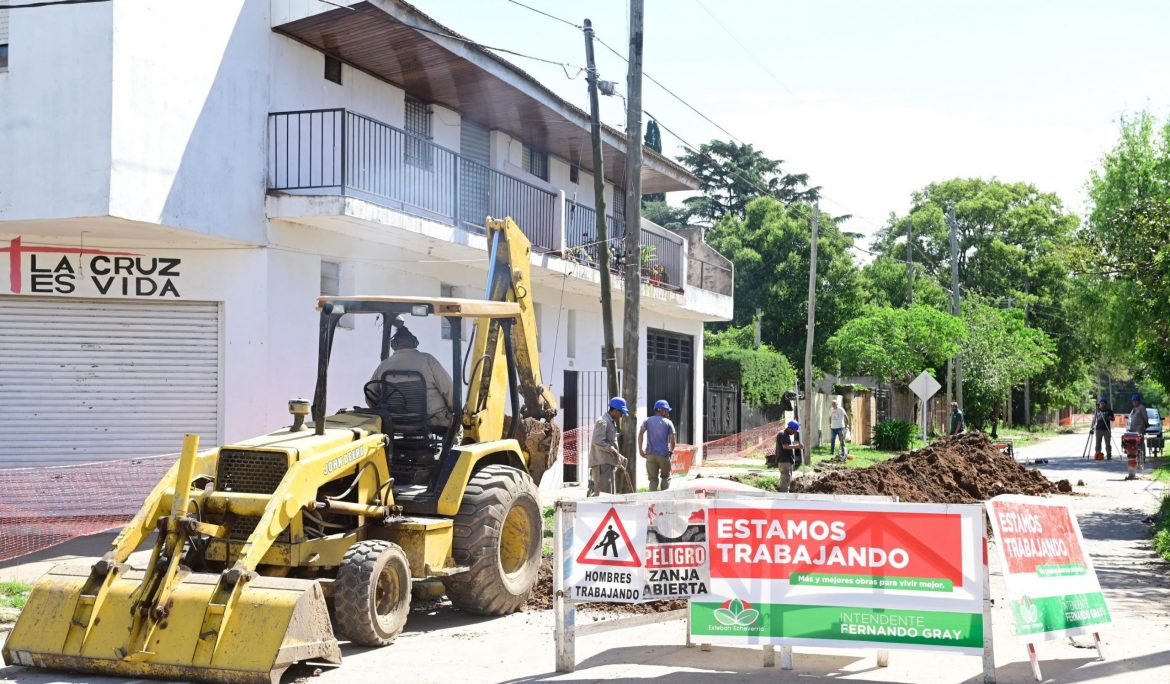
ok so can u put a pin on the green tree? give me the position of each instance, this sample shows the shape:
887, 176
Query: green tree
770, 248
1129, 232
763, 374
653, 140
1016, 246
674, 218
897, 344
999, 352
884, 282
732, 175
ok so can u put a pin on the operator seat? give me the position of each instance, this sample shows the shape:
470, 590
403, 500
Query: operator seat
400, 397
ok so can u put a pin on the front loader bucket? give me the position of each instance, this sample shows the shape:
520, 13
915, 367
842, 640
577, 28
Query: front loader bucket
272, 623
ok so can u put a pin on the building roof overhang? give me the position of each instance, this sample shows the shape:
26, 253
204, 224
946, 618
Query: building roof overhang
397, 43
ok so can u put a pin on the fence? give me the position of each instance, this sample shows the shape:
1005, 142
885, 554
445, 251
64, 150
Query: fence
662, 250
42, 507
341, 151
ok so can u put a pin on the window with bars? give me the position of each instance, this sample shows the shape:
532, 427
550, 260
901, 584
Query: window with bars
418, 121
661, 347
535, 162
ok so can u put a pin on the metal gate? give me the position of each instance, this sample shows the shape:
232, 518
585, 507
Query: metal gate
722, 411
670, 375
585, 398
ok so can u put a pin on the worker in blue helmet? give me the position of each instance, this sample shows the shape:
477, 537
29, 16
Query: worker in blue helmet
789, 452
659, 447
604, 456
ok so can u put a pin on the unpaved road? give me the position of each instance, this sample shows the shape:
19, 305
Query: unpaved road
443, 645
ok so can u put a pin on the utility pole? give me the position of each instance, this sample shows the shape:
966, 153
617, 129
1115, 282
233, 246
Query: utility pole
630, 337
1028, 380
810, 334
610, 360
909, 261
956, 309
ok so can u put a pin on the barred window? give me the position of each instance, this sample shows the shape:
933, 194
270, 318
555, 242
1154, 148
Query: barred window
535, 162
418, 121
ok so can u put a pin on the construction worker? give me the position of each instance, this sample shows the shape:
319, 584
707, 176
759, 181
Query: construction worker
1139, 422
958, 422
1102, 427
789, 451
407, 357
838, 424
604, 457
660, 447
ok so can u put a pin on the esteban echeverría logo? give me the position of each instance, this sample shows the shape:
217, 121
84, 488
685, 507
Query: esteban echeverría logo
736, 613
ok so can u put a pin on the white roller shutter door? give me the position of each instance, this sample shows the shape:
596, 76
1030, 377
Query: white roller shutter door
94, 380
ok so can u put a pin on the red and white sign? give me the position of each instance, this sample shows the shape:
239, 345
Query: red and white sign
1035, 535
610, 544
771, 543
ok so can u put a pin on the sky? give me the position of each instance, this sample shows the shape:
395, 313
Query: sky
872, 99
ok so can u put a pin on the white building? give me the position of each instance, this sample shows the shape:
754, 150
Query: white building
180, 179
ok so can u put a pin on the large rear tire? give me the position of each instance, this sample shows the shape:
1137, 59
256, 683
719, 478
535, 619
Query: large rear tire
498, 536
371, 596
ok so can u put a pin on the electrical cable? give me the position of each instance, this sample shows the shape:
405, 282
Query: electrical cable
51, 3
747, 51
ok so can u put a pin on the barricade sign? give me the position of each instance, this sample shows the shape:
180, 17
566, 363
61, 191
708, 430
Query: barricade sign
608, 545
1051, 585
676, 550
844, 574
789, 570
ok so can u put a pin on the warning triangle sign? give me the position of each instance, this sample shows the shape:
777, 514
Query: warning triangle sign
610, 545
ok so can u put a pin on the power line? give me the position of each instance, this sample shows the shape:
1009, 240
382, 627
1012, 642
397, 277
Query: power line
747, 51
564, 65
550, 16
51, 3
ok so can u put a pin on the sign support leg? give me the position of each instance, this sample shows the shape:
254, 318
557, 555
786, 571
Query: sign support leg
690, 642
883, 658
769, 656
785, 657
1097, 643
565, 612
1035, 662
988, 632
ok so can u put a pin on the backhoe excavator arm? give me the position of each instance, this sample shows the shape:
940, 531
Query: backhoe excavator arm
484, 419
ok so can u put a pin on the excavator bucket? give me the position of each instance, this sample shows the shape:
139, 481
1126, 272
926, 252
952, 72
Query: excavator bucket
268, 624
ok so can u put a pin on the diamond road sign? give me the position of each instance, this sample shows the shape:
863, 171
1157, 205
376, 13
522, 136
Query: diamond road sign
925, 386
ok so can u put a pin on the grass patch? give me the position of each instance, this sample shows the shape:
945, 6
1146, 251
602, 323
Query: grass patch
1162, 529
546, 544
14, 594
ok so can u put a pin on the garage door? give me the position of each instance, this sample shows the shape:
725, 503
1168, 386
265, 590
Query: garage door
90, 380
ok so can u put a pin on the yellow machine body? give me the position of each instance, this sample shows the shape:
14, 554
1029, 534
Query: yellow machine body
252, 513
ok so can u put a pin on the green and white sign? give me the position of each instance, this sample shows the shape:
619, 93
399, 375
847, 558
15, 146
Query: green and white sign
1051, 585
845, 574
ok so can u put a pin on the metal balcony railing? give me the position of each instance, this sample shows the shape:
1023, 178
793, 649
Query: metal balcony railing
661, 251
341, 151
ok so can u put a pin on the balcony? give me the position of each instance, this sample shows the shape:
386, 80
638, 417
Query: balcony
336, 151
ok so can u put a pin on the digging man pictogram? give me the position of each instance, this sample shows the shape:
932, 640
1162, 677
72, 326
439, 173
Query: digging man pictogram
608, 541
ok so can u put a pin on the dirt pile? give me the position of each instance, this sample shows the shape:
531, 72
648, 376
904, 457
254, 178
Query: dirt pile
542, 598
964, 468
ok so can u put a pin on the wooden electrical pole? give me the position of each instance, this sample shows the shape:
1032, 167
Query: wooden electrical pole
602, 244
633, 284
807, 427
909, 262
956, 309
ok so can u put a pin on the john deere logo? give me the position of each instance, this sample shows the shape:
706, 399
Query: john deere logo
736, 613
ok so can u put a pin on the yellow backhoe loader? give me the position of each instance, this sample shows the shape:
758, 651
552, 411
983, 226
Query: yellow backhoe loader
269, 549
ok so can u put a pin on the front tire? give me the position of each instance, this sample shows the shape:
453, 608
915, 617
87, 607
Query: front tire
371, 598
498, 536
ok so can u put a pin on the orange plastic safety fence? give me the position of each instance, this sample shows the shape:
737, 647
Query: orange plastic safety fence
42, 507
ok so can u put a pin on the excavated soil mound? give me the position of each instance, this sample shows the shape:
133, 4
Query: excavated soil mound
964, 468
542, 598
